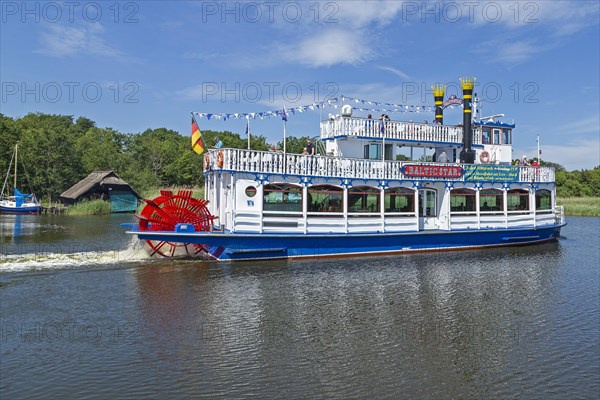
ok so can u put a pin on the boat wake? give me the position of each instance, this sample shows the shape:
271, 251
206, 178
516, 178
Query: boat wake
135, 251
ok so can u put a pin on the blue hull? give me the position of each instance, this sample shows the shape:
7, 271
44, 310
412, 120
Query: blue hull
20, 210
242, 246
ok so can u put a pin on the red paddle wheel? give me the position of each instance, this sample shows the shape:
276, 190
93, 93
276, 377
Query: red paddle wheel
166, 211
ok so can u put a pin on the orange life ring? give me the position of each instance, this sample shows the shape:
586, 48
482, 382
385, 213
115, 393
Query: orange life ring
206, 162
220, 159
484, 157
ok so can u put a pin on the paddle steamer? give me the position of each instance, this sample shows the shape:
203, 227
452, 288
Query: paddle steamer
357, 199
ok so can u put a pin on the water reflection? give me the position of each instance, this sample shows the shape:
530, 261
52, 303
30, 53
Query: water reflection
459, 318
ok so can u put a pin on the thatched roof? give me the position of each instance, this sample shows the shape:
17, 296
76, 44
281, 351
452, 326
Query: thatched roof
98, 178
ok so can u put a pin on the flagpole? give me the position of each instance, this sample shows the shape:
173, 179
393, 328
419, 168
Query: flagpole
248, 130
538, 150
284, 132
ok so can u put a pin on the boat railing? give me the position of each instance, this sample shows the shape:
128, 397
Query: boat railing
395, 130
268, 162
559, 214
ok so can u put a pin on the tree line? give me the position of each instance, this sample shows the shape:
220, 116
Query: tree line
58, 151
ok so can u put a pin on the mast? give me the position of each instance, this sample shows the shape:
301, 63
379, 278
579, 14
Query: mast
16, 163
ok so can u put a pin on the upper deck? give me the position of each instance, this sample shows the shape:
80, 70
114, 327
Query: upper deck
340, 127
263, 162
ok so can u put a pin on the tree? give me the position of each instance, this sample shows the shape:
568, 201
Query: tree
100, 150
9, 136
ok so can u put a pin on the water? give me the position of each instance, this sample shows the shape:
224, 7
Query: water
108, 322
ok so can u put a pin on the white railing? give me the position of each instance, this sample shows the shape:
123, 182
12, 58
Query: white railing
399, 130
263, 162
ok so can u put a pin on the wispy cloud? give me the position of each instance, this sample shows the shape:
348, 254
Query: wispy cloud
63, 41
328, 48
193, 55
394, 71
586, 125
510, 52
574, 155
366, 12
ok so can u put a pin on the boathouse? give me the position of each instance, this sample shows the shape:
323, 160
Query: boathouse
104, 185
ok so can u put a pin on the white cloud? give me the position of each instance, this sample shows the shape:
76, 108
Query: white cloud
62, 41
330, 47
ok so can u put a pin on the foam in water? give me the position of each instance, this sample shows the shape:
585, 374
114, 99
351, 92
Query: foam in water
136, 251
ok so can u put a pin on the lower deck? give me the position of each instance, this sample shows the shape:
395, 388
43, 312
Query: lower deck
276, 204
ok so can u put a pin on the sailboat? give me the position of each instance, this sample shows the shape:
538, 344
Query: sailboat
17, 203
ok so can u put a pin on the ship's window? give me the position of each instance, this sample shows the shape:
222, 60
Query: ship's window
282, 197
372, 151
363, 199
506, 136
543, 199
325, 198
517, 199
462, 200
399, 200
250, 191
491, 200
496, 133
486, 135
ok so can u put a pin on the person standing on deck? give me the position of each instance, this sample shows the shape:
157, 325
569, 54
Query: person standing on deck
218, 143
310, 148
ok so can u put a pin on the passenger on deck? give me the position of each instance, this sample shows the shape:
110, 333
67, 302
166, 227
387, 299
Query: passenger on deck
218, 143
443, 158
369, 123
310, 148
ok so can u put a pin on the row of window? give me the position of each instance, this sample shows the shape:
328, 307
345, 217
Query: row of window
366, 199
496, 135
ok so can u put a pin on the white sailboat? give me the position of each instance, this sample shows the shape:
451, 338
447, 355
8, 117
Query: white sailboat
17, 202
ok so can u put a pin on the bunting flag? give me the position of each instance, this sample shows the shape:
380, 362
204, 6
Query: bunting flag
336, 103
197, 144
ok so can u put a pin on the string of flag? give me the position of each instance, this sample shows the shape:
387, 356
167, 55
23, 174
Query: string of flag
334, 103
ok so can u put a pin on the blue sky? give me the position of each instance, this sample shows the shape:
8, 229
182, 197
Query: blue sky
134, 65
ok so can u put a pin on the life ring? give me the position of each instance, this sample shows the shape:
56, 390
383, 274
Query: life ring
206, 162
220, 159
484, 157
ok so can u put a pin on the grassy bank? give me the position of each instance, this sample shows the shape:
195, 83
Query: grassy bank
93, 207
580, 206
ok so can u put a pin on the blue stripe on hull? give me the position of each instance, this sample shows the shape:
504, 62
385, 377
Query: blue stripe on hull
20, 210
239, 246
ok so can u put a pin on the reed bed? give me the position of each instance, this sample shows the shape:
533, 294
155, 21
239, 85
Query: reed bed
91, 207
580, 206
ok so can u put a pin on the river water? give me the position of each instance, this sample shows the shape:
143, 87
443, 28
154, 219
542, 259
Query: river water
86, 314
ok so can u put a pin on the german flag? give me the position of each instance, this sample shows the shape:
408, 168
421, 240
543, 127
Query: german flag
197, 144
